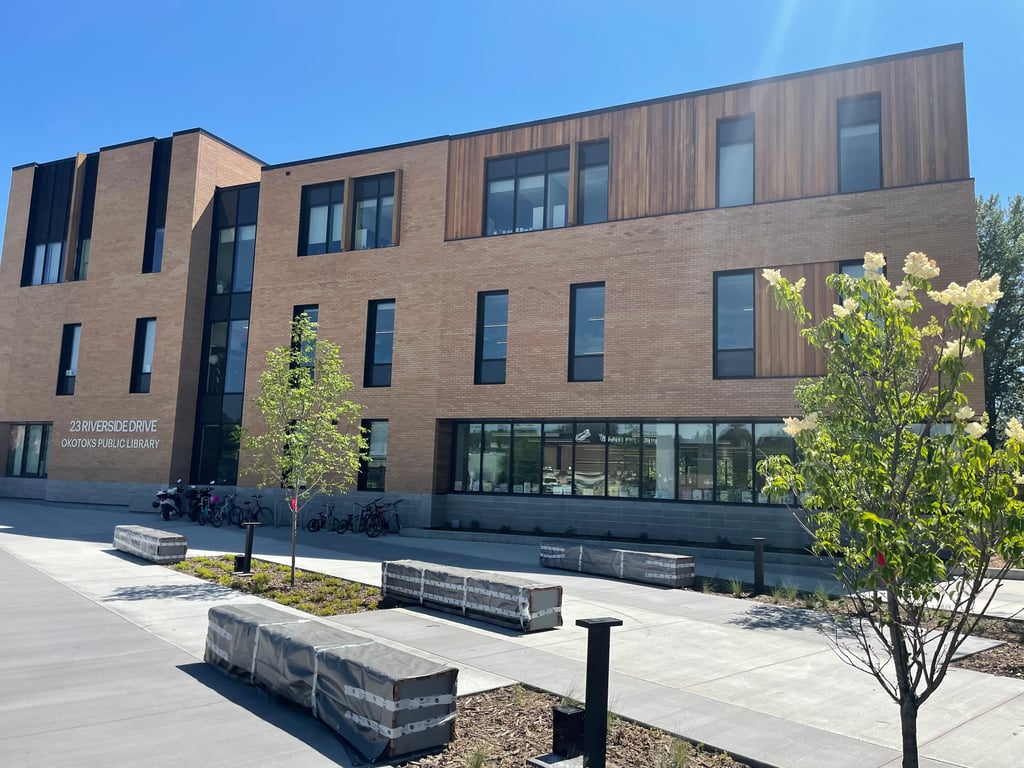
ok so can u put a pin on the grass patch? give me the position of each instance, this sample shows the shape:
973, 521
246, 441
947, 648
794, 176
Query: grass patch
313, 592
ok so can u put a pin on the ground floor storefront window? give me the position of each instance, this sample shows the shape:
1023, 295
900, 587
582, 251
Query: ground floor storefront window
673, 460
28, 450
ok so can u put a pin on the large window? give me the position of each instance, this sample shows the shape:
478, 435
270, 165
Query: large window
374, 469
527, 192
380, 340
736, 161
860, 143
491, 337
68, 365
312, 311
84, 245
48, 223
685, 461
592, 195
373, 212
159, 180
28, 450
586, 332
734, 325
322, 217
142, 354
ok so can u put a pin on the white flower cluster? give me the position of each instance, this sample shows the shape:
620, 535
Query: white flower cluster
799, 284
795, 426
1014, 430
977, 293
953, 349
873, 264
965, 413
771, 275
920, 266
975, 429
842, 310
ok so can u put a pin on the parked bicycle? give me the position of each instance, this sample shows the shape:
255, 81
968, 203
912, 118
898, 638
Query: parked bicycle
327, 519
382, 517
255, 511
211, 509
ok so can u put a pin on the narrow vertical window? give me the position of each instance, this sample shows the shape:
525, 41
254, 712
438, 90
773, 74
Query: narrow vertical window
84, 245
142, 355
380, 338
491, 337
860, 143
49, 212
586, 332
68, 369
375, 464
153, 256
28, 450
373, 212
734, 325
321, 218
736, 161
593, 183
312, 311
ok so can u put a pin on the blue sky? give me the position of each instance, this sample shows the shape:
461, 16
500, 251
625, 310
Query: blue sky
291, 80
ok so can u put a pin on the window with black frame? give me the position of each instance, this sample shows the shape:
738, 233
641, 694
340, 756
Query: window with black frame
859, 122
736, 161
380, 340
142, 355
586, 332
153, 253
321, 218
592, 195
527, 192
28, 450
49, 216
372, 473
68, 370
734, 325
373, 212
491, 337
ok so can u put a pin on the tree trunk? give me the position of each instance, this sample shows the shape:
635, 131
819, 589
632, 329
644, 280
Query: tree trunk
294, 509
908, 724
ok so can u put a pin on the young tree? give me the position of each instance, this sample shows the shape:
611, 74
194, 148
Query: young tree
310, 441
1001, 251
899, 487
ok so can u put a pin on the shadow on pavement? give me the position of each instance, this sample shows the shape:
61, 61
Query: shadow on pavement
285, 716
199, 592
764, 616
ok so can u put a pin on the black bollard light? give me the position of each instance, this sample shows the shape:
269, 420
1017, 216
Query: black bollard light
595, 719
250, 529
759, 564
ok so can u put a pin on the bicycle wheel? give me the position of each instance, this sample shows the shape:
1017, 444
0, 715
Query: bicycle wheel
374, 526
313, 525
234, 515
201, 517
217, 517
398, 523
344, 525
265, 515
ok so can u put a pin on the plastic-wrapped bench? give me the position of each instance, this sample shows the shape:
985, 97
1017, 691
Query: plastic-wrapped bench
666, 570
150, 544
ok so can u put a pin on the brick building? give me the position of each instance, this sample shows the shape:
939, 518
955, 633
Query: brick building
552, 325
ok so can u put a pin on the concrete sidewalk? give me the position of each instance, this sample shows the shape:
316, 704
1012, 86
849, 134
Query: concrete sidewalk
756, 680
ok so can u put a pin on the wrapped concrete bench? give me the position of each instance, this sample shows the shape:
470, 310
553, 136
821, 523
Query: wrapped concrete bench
504, 600
675, 571
150, 543
383, 701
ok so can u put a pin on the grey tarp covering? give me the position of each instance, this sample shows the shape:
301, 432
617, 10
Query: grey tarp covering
286, 662
386, 702
150, 543
496, 598
231, 635
668, 570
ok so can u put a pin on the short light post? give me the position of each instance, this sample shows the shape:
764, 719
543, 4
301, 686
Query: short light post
595, 719
246, 564
759, 542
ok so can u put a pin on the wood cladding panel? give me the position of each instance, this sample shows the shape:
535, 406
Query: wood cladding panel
780, 350
663, 154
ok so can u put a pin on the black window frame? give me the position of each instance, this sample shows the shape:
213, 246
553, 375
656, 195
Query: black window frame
716, 373
44, 450
142, 380
359, 185
517, 161
850, 103
49, 218
365, 468
378, 374
70, 347
576, 360
335, 196
83, 247
482, 373
735, 125
156, 218
585, 164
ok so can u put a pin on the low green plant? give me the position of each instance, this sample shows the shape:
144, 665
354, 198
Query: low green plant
778, 594
205, 573
707, 586
260, 581
478, 759
518, 695
822, 597
736, 587
676, 754
790, 592
474, 525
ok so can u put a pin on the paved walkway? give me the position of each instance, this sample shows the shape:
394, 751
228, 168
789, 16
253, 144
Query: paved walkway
99, 658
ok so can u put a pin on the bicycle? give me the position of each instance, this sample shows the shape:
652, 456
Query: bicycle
380, 519
326, 519
255, 511
210, 511
232, 512
363, 512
